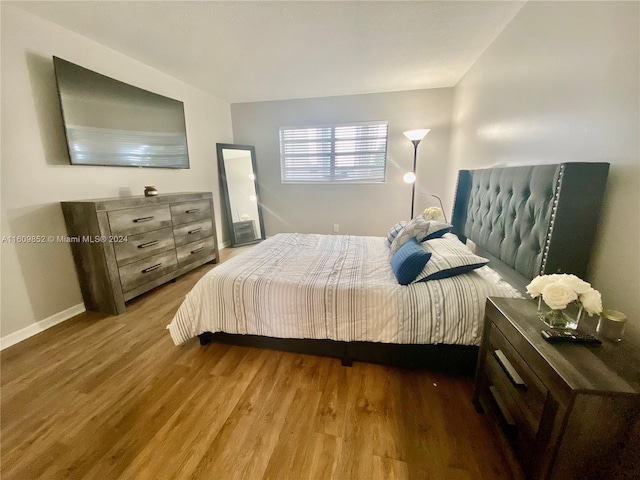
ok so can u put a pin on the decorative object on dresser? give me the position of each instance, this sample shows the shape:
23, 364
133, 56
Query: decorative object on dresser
123, 247
562, 411
150, 191
239, 187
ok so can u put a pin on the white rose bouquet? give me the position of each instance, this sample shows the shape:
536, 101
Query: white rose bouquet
432, 213
560, 290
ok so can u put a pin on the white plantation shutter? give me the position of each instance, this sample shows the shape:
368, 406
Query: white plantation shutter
334, 153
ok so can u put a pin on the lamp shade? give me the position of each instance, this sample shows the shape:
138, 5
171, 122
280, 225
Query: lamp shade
416, 135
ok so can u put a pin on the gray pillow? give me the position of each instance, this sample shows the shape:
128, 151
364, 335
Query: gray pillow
417, 228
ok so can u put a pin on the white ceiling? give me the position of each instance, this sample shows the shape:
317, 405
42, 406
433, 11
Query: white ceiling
253, 51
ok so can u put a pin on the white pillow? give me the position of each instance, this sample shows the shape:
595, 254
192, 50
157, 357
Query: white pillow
449, 257
421, 229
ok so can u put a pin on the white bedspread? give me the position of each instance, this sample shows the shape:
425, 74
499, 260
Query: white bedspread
337, 287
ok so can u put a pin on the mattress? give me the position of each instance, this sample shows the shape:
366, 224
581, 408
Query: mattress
337, 287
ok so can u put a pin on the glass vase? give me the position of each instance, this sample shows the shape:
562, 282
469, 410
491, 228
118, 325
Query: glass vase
559, 319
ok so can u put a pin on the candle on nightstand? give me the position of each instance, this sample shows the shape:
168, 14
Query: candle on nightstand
611, 325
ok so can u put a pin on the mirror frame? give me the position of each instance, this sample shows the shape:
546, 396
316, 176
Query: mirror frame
225, 191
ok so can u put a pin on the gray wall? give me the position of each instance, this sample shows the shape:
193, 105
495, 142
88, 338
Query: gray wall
359, 209
560, 84
39, 283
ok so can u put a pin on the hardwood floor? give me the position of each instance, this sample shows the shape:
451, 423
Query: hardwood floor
106, 397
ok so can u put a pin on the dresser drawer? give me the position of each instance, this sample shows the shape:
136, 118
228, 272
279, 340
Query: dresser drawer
187, 212
138, 273
143, 245
133, 221
519, 381
191, 232
194, 251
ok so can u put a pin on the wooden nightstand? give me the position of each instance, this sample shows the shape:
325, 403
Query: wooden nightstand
562, 411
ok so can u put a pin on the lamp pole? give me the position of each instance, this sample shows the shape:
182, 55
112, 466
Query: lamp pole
413, 186
415, 136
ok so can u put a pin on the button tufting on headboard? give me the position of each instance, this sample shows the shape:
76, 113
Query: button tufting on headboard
536, 219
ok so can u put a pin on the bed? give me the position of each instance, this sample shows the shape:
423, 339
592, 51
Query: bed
338, 295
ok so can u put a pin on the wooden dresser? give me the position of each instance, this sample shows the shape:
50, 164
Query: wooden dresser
123, 247
562, 411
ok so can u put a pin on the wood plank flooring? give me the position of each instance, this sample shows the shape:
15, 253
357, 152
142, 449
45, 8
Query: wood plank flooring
111, 397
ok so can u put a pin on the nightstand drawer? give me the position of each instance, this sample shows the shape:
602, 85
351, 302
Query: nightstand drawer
520, 382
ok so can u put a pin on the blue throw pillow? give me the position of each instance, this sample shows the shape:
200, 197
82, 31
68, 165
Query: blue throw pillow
409, 261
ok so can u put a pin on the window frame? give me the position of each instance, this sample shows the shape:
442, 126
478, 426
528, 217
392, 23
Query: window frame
331, 180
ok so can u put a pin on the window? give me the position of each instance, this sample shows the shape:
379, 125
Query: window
348, 153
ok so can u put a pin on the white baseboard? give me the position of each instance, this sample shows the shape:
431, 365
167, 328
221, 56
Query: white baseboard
41, 326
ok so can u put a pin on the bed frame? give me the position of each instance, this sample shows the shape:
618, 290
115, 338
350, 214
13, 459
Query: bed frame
527, 220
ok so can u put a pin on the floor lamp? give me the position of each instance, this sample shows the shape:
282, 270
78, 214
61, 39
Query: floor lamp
410, 177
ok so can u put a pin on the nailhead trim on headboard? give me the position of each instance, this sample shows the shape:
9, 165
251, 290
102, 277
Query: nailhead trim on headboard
554, 210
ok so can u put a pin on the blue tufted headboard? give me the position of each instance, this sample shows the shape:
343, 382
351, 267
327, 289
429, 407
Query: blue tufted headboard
535, 219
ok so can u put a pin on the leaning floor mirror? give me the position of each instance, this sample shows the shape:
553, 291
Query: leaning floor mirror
238, 180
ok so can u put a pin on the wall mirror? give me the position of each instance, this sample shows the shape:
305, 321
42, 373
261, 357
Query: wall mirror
238, 179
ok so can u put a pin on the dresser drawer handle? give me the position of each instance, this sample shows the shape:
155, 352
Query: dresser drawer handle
148, 244
195, 230
197, 250
193, 210
143, 219
511, 372
155, 267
